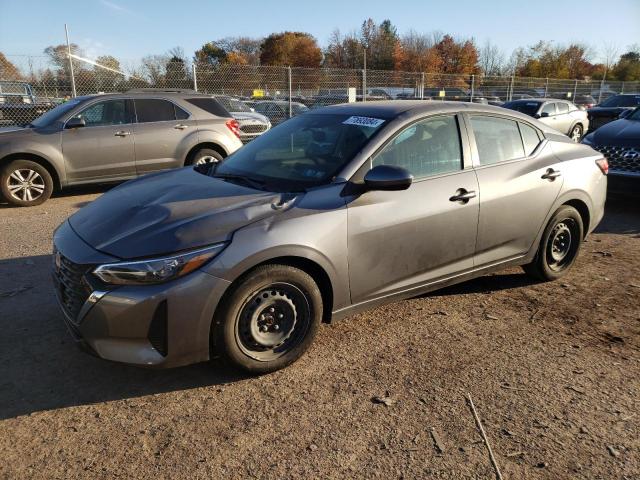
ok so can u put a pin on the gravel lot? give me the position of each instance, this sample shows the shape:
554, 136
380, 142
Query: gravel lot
553, 370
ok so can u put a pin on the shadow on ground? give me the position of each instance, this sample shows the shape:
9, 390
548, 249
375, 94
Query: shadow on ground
41, 367
71, 192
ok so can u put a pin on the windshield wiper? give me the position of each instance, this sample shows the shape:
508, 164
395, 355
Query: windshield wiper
251, 182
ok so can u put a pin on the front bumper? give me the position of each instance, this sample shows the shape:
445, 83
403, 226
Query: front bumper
163, 325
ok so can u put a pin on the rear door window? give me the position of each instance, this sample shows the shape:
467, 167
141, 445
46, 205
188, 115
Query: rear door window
562, 108
497, 139
549, 108
530, 138
154, 110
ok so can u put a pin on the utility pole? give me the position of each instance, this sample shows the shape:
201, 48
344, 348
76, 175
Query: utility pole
364, 77
73, 78
195, 78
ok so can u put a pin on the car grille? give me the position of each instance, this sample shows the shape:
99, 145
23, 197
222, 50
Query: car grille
73, 289
253, 128
621, 159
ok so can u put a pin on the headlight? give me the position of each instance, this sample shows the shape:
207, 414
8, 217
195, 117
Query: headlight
156, 270
588, 140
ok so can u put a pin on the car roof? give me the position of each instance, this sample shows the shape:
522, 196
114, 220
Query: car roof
393, 108
540, 99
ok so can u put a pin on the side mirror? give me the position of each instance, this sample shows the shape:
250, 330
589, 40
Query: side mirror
544, 114
75, 122
388, 177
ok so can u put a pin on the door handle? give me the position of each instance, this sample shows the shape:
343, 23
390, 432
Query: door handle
180, 126
551, 174
122, 133
463, 196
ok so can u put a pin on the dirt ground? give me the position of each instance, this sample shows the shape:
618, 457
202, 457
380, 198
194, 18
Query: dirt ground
553, 370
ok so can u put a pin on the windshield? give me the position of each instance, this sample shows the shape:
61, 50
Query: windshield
56, 113
233, 105
303, 152
635, 115
529, 108
622, 101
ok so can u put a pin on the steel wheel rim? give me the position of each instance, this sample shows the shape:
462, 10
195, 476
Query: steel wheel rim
206, 159
272, 321
25, 184
576, 134
561, 246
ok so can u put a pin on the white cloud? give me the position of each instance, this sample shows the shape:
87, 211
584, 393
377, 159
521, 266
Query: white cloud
115, 6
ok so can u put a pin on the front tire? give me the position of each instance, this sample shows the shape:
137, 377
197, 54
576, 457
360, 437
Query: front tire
25, 183
268, 320
559, 245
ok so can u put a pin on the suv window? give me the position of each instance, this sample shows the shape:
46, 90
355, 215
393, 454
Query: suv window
428, 147
530, 138
154, 110
562, 108
497, 139
210, 105
549, 108
109, 112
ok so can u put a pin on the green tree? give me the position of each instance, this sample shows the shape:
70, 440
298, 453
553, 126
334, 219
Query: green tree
628, 67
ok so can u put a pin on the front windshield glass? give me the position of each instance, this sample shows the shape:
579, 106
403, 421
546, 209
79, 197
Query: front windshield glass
528, 108
622, 101
55, 114
233, 105
635, 115
303, 152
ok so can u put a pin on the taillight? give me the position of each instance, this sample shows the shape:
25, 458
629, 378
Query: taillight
234, 126
603, 165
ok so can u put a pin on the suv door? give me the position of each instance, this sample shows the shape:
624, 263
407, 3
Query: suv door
402, 239
102, 149
519, 178
159, 131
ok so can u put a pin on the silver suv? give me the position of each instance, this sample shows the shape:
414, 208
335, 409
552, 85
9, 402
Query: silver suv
110, 138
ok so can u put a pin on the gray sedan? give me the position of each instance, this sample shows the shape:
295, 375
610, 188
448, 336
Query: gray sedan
329, 213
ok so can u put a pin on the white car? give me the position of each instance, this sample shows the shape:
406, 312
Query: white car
252, 124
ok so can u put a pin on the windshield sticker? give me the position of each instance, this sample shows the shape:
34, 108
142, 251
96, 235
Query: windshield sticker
364, 121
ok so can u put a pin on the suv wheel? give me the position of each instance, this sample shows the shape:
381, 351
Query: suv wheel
25, 183
268, 320
559, 245
205, 155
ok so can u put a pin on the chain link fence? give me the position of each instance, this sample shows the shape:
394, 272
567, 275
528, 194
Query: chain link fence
40, 83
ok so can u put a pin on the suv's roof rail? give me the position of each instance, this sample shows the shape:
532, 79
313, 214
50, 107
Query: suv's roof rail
162, 90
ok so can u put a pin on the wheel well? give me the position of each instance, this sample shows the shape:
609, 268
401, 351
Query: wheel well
583, 210
212, 146
34, 158
310, 267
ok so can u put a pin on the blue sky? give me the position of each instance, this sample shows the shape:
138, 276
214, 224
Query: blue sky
131, 29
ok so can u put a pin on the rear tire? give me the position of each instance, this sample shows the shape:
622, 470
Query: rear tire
204, 156
25, 183
559, 245
268, 319
576, 133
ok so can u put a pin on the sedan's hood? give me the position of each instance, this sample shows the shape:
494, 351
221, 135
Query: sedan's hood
168, 212
606, 111
250, 116
619, 133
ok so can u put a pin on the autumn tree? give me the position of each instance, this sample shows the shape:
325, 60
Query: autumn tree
344, 51
416, 52
457, 57
628, 67
296, 49
106, 80
59, 58
8, 71
230, 50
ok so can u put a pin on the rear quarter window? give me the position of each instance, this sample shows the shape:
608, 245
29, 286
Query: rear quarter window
210, 105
